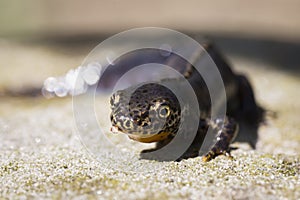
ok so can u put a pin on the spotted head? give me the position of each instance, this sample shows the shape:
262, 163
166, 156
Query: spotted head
147, 113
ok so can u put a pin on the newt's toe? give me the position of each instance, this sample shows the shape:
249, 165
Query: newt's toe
209, 156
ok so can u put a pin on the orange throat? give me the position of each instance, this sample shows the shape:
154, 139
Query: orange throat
152, 138
143, 138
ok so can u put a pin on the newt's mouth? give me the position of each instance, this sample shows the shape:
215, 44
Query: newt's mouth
150, 138
142, 138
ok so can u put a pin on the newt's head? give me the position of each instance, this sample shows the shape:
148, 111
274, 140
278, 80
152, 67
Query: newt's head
148, 114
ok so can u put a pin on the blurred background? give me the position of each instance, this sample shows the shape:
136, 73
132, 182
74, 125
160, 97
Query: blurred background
40, 38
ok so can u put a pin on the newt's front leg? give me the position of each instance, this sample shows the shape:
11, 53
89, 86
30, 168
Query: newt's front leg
227, 131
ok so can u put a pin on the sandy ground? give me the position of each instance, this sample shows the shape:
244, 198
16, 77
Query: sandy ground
42, 155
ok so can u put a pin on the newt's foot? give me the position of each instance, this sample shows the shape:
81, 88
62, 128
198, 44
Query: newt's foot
226, 135
211, 155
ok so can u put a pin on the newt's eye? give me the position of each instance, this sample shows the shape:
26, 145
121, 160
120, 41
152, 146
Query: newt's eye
164, 111
128, 124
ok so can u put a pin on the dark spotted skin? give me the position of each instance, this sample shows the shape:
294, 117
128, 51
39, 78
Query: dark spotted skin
226, 135
136, 110
156, 114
